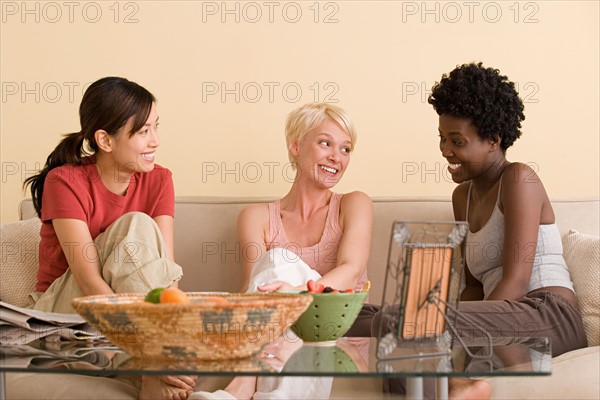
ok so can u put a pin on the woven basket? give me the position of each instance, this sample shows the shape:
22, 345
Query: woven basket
204, 329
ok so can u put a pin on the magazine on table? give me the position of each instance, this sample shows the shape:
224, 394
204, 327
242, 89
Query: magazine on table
63, 354
20, 325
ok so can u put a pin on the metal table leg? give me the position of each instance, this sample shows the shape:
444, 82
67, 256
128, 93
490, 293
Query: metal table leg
414, 388
441, 388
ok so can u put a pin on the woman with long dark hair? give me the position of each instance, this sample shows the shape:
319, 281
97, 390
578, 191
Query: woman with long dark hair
107, 209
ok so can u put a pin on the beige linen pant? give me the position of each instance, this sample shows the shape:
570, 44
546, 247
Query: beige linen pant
133, 257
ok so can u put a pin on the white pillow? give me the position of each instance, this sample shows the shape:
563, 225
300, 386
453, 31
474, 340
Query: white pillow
582, 254
19, 243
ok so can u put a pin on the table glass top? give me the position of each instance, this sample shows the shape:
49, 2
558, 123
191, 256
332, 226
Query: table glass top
345, 357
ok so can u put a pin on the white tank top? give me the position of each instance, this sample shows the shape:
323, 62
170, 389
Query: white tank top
483, 253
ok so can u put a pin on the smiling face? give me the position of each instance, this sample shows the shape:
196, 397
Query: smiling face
468, 155
135, 153
130, 153
323, 154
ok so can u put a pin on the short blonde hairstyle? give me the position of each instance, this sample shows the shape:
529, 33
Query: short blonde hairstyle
308, 117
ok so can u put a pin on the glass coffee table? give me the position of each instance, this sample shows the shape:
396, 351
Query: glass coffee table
347, 357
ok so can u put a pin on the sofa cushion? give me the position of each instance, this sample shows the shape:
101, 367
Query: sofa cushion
582, 254
19, 242
574, 376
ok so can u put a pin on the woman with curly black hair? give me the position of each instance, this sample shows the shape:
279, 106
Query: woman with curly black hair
514, 265
517, 283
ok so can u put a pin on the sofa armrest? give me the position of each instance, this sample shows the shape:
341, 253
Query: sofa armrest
19, 242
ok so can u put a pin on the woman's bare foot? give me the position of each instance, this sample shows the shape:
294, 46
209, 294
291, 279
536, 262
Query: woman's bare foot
468, 389
158, 388
242, 387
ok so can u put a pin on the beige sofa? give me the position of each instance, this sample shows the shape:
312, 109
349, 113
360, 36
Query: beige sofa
206, 247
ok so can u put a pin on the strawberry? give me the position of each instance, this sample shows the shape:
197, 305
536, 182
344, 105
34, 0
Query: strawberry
314, 287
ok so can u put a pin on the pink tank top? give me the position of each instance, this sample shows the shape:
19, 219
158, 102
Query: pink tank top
322, 257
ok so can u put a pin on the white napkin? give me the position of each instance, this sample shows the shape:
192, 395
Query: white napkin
280, 264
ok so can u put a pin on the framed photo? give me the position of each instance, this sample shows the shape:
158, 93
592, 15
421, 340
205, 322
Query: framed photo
425, 291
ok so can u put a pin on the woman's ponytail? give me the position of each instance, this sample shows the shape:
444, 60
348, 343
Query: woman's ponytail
69, 151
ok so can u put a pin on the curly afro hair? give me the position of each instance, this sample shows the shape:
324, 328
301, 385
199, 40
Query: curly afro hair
485, 97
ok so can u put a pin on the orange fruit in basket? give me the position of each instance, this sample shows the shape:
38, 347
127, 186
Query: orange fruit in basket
214, 299
174, 295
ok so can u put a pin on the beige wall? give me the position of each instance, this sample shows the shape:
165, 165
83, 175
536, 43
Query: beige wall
225, 85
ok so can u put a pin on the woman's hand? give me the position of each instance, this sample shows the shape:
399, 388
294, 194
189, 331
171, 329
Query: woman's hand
279, 286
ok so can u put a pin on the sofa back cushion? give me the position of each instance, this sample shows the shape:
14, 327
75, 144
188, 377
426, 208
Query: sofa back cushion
206, 244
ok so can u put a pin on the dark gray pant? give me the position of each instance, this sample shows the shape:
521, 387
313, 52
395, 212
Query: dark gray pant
541, 314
